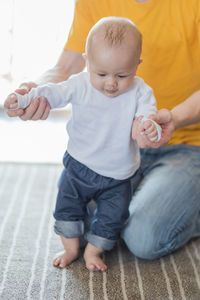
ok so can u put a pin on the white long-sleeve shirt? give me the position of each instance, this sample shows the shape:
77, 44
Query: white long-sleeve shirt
100, 127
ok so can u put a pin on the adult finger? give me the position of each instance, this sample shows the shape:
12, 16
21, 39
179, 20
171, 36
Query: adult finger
15, 113
46, 113
30, 110
41, 110
162, 116
27, 86
21, 91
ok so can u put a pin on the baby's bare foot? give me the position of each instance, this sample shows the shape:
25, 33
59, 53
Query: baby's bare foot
63, 259
70, 253
93, 260
95, 263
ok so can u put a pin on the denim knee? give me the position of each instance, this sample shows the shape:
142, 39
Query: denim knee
142, 241
149, 238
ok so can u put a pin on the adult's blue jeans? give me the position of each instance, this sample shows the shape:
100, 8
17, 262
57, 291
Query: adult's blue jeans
165, 209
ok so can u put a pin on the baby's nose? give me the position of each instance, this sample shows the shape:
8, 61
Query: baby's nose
112, 82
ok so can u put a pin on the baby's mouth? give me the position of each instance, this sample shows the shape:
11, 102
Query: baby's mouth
111, 91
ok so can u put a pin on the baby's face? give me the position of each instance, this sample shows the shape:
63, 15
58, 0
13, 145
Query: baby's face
112, 69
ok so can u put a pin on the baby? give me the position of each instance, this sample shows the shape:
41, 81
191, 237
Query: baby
102, 158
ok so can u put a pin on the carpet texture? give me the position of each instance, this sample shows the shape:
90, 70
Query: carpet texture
28, 243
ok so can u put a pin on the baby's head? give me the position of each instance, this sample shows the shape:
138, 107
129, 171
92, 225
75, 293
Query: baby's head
113, 51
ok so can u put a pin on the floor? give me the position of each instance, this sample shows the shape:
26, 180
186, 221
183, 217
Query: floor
30, 141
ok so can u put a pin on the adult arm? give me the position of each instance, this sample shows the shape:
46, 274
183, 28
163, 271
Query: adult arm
164, 118
69, 62
187, 112
184, 114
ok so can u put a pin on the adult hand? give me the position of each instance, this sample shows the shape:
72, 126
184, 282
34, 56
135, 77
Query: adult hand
164, 118
27, 86
37, 110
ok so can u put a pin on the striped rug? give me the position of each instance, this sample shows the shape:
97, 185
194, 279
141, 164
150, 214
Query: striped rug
27, 245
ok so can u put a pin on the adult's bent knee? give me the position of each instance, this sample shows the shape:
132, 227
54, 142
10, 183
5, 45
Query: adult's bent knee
144, 241
140, 250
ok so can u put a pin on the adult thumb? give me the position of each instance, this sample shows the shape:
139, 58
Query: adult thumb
162, 116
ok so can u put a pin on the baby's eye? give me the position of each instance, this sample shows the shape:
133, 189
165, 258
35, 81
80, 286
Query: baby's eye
101, 74
122, 76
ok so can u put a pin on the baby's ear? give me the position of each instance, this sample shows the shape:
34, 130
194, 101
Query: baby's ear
84, 56
140, 61
86, 60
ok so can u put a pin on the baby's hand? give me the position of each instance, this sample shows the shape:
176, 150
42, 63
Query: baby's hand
149, 129
146, 132
12, 102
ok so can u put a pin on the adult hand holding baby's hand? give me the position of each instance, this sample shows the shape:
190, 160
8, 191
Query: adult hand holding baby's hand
37, 110
11, 102
164, 118
149, 129
138, 133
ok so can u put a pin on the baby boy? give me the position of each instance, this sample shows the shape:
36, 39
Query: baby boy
102, 158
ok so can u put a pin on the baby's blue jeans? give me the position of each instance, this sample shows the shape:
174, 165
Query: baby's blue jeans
165, 209
77, 186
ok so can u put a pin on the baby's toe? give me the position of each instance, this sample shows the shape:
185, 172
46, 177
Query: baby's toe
91, 267
56, 261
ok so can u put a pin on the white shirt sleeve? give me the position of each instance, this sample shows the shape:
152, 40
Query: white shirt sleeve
146, 104
58, 94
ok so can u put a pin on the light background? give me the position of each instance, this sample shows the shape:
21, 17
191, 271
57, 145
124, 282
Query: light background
33, 33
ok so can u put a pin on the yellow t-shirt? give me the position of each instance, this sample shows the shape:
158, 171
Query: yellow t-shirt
171, 47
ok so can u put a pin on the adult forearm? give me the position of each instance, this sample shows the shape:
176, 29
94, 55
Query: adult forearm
54, 75
188, 112
69, 62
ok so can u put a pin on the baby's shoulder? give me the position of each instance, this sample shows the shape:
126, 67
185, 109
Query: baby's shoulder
141, 87
80, 84
82, 77
79, 81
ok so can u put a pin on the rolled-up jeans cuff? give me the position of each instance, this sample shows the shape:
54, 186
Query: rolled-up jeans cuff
69, 229
99, 242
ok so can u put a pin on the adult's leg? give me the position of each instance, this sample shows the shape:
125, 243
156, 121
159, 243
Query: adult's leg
165, 210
